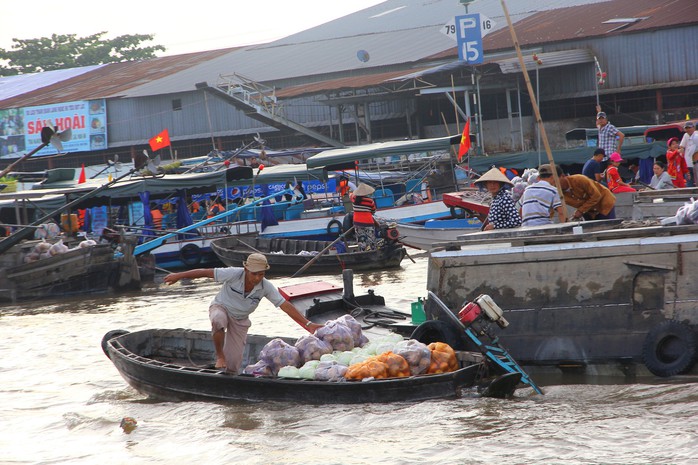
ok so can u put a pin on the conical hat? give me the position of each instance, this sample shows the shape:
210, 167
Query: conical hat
494, 175
363, 190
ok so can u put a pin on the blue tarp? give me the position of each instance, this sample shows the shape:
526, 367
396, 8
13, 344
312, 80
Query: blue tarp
183, 216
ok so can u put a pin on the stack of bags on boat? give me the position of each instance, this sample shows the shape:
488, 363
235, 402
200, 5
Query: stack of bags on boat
339, 351
45, 249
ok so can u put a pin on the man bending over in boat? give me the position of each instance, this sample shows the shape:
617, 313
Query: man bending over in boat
243, 289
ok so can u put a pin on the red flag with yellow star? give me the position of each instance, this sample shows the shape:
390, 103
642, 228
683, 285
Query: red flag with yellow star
464, 141
160, 141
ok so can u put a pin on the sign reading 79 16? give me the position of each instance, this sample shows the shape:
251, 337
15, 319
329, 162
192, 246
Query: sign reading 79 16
468, 31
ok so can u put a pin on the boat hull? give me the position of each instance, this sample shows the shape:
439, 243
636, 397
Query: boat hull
426, 236
175, 364
89, 270
581, 300
233, 251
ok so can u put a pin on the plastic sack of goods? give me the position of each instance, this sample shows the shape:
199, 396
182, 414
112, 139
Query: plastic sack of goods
340, 352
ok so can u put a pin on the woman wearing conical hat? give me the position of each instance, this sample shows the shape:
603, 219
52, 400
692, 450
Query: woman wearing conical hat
503, 213
364, 223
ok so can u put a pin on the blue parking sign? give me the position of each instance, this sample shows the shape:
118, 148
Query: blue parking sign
469, 36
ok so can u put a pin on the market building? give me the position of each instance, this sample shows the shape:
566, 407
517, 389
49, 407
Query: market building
388, 72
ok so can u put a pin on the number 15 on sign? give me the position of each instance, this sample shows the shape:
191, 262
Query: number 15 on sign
469, 36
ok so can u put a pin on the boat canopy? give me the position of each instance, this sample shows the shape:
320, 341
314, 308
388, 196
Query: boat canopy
161, 186
282, 173
578, 155
346, 158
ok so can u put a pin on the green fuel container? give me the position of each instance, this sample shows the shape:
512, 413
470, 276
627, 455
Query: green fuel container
418, 315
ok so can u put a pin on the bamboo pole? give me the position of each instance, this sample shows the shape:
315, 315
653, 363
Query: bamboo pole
536, 110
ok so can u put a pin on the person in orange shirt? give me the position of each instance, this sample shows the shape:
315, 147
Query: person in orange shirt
676, 163
157, 218
215, 208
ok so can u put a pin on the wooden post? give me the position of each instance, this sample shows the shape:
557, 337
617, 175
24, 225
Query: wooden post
536, 110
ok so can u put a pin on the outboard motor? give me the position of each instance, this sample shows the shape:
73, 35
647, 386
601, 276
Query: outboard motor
391, 232
481, 312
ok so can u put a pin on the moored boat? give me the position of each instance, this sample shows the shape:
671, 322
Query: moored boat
81, 270
615, 302
426, 236
287, 256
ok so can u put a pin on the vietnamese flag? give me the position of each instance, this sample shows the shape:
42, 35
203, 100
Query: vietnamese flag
160, 141
82, 177
464, 141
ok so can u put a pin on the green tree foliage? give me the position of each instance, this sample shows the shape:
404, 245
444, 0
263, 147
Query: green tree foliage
70, 51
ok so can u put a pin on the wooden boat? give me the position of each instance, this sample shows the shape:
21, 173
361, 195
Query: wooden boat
283, 255
425, 236
176, 364
85, 270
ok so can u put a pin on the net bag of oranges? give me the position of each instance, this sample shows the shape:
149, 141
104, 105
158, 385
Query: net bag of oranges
443, 358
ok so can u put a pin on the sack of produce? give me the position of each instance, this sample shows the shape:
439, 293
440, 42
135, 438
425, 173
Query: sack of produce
258, 369
371, 368
307, 371
276, 354
356, 333
337, 335
397, 366
289, 372
344, 358
443, 358
330, 371
416, 353
311, 347
383, 344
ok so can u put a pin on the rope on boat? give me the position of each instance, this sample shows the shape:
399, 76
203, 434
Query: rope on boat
382, 318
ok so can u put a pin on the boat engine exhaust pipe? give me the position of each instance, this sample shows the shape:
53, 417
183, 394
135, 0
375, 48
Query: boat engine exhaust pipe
348, 281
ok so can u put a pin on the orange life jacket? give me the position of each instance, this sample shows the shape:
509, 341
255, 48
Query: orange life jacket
364, 207
343, 187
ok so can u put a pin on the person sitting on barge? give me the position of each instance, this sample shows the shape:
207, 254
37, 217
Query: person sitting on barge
541, 200
503, 212
661, 179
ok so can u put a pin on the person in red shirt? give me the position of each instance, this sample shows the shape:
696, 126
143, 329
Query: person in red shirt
613, 180
676, 163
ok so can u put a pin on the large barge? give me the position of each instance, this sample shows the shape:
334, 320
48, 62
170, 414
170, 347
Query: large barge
605, 302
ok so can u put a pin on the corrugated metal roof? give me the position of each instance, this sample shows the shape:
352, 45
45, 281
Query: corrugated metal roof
397, 34
576, 22
353, 82
549, 60
11, 86
307, 59
110, 80
394, 33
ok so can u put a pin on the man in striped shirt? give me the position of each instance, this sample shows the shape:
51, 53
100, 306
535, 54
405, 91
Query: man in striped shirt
541, 199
